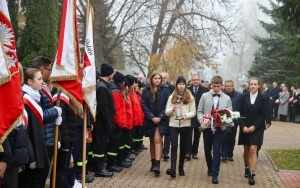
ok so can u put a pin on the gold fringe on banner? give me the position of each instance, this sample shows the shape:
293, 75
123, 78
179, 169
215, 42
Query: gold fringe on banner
89, 89
5, 80
9, 131
75, 105
63, 78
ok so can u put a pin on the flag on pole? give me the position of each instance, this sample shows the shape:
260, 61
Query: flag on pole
66, 74
11, 106
89, 68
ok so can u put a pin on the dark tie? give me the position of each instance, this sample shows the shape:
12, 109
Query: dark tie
195, 90
218, 95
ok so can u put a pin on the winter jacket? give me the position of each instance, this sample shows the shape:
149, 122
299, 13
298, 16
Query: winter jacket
187, 109
105, 106
140, 110
67, 128
155, 108
18, 140
120, 117
50, 114
135, 108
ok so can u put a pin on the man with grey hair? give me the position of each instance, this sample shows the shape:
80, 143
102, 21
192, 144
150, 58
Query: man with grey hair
167, 142
192, 145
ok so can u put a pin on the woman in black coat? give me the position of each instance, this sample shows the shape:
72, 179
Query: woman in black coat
254, 108
156, 123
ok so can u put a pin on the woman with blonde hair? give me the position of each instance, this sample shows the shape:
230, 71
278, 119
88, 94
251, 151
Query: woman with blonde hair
156, 123
283, 103
182, 100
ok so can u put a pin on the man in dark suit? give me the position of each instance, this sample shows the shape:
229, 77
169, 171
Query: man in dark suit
229, 138
192, 146
167, 142
213, 137
274, 95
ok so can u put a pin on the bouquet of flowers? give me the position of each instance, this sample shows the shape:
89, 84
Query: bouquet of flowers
291, 100
220, 117
277, 101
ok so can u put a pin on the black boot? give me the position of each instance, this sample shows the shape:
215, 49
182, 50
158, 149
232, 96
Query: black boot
112, 165
247, 172
172, 171
152, 165
251, 178
181, 171
156, 167
100, 171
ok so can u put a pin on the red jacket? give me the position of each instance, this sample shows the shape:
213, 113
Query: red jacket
128, 108
120, 116
141, 113
134, 105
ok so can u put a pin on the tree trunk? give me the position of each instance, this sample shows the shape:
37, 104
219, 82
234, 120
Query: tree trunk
99, 22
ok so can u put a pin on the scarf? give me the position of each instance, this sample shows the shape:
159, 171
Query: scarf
35, 94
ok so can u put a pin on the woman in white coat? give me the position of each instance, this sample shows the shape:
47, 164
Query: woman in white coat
182, 100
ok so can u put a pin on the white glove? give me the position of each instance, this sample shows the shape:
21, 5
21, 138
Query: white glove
58, 120
58, 145
58, 110
32, 165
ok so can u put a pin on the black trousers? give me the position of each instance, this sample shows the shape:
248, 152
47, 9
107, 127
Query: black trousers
137, 136
184, 134
100, 140
192, 145
10, 179
167, 143
114, 144
125, 145
63, 162
274, 110
229, 142
212, 144
33, 178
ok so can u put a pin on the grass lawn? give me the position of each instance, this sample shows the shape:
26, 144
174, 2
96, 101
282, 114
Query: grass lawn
286, 159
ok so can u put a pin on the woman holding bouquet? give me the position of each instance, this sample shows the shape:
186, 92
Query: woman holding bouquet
179, 126
254, 109
156, 123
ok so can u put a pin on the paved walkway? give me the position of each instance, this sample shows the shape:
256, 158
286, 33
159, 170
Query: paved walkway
280, 135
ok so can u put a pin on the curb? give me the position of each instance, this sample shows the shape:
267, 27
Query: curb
271, 160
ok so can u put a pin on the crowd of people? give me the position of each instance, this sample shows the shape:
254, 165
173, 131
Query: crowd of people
127, 110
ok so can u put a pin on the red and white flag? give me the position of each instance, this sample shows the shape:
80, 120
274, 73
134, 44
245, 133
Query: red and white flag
11, 106
89, 68
66, 74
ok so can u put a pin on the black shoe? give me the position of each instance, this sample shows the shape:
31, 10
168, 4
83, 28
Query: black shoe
103, 173
152, 165
127, 160
131, 156
172, 171
125, 164
88, 178
114, 168
215, 180
181, 170
166, 157
247, 172
223, 159
251, 178
209, 173
188, 157
143, 147
156, 167
194, 156
230, 159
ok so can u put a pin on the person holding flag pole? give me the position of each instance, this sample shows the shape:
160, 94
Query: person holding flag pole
66, 74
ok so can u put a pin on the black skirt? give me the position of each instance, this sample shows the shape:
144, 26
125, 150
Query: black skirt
254, 138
